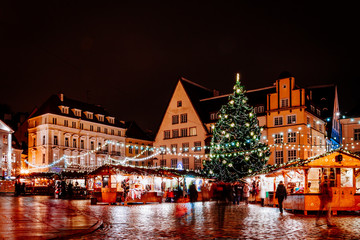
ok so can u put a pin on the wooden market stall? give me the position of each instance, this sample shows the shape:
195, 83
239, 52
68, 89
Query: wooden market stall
302, 179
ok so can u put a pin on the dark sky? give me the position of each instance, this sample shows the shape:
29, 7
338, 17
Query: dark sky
128, 55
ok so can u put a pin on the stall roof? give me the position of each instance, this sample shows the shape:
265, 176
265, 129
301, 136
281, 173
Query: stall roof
324, 160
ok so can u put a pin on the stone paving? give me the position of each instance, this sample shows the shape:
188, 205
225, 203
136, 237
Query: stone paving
211, 220
44, 217
33, 218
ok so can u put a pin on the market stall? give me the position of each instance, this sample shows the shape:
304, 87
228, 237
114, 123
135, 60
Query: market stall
302, 179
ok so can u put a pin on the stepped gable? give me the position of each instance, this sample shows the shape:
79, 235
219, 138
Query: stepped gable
52, 106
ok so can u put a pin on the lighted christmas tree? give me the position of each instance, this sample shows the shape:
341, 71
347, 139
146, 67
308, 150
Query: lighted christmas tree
236, 150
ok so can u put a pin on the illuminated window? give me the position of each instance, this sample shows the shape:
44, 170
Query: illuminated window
192, 131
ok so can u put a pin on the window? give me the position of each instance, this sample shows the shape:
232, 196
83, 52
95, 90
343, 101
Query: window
307, 120
82, 144
44, 140
163, 163
163, 150
77, 112
197, 163
66, 142
173, 163
291, 119
43, 158
184, 132
92, 146
65, 110
81, 125
175, 133
112, 132
314, 141
91, 128
278, 138
100, 117
166, 134
175, 119
130, 149
213, 116
55, 140
179, 103
279, 157
105, 130
136, 150
356, 134
260, 109
183, 118
98, 129
34, 142
192, 131
111, 120
284, 102
89, 115
54, 120
320, 142
185, 147
318, 112
308, 138
312, 108
73, 124
119, 133
278, 121
197, 146
185, 162
314, 124
291, 155
66, 123
173, 148
74, 143
291, 137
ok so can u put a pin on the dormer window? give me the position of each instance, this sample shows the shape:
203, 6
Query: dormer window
77, 112
64, 110
318, 112
100, 117
111, 120
260, 109
89, 115
284, 102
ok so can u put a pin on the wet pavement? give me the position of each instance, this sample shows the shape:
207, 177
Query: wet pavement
45, 217
40, 217
211, 220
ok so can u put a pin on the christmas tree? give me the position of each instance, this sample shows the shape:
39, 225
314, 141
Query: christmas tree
236, 150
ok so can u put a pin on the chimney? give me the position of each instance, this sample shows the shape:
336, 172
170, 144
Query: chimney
61, 96
215, 93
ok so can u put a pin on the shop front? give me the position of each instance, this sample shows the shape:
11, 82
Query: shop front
303, 178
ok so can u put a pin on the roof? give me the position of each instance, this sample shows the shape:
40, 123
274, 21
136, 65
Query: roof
54, 101
134, 131
323, 96
354, 112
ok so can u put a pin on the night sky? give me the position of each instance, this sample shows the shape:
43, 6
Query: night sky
128, 55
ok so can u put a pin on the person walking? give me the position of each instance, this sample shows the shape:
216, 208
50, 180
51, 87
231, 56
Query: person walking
262, 192
325, 202
193, 195
281, 194
246, 191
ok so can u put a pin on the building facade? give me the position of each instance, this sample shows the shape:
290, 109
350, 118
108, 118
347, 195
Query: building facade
68, 134
293, 123
350, 128
10, 162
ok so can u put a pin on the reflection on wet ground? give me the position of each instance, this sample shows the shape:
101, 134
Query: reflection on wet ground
211, 220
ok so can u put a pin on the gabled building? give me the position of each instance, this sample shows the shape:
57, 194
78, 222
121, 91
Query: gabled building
86, 133
293, 123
